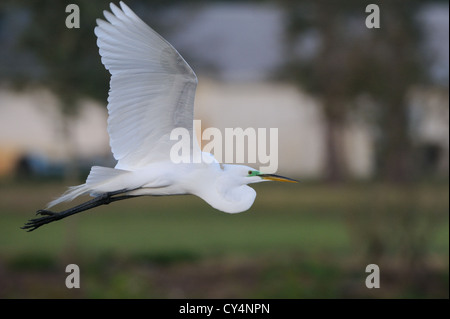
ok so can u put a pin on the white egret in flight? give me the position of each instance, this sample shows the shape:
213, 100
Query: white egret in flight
151, 93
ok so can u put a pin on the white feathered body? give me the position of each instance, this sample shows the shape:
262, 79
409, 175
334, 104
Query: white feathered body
211, 182
152, 91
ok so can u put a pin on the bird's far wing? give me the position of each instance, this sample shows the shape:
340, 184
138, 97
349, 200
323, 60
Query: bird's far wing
152, 89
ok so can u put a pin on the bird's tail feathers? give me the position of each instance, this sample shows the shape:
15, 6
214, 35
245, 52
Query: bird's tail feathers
98, 176
72, 193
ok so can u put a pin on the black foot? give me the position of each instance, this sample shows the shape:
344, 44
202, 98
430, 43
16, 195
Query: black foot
49, 216
38, 222
45, 212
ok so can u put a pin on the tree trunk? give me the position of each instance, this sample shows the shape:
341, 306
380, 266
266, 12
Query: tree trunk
335, 166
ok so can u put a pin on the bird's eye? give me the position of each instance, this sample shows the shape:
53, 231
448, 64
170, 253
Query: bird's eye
253, 173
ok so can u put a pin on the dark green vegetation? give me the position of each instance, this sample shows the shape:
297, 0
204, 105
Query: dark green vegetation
301, 241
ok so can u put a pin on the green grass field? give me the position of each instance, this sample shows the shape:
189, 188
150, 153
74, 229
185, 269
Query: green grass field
297, 241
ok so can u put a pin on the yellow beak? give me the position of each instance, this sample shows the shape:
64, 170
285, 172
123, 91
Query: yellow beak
278, 178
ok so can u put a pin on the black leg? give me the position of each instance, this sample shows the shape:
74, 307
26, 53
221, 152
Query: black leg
50, 216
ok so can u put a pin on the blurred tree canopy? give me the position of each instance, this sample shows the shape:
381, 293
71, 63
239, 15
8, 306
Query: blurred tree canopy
350, 61
68, 58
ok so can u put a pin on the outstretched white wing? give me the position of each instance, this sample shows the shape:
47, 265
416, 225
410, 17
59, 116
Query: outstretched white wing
152, 89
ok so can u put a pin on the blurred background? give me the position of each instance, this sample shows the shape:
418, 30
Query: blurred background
363, 122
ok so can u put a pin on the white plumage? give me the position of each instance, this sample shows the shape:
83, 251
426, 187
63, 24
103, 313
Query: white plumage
152, 92
152, 89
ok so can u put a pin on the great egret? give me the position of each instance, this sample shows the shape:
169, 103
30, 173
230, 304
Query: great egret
152, 92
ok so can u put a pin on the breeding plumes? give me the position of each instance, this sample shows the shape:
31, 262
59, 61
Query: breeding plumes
152, 91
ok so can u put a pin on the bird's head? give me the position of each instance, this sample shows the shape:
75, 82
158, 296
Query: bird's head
248, 175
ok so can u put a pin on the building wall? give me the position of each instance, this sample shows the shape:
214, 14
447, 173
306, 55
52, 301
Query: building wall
298, 117
30, 123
